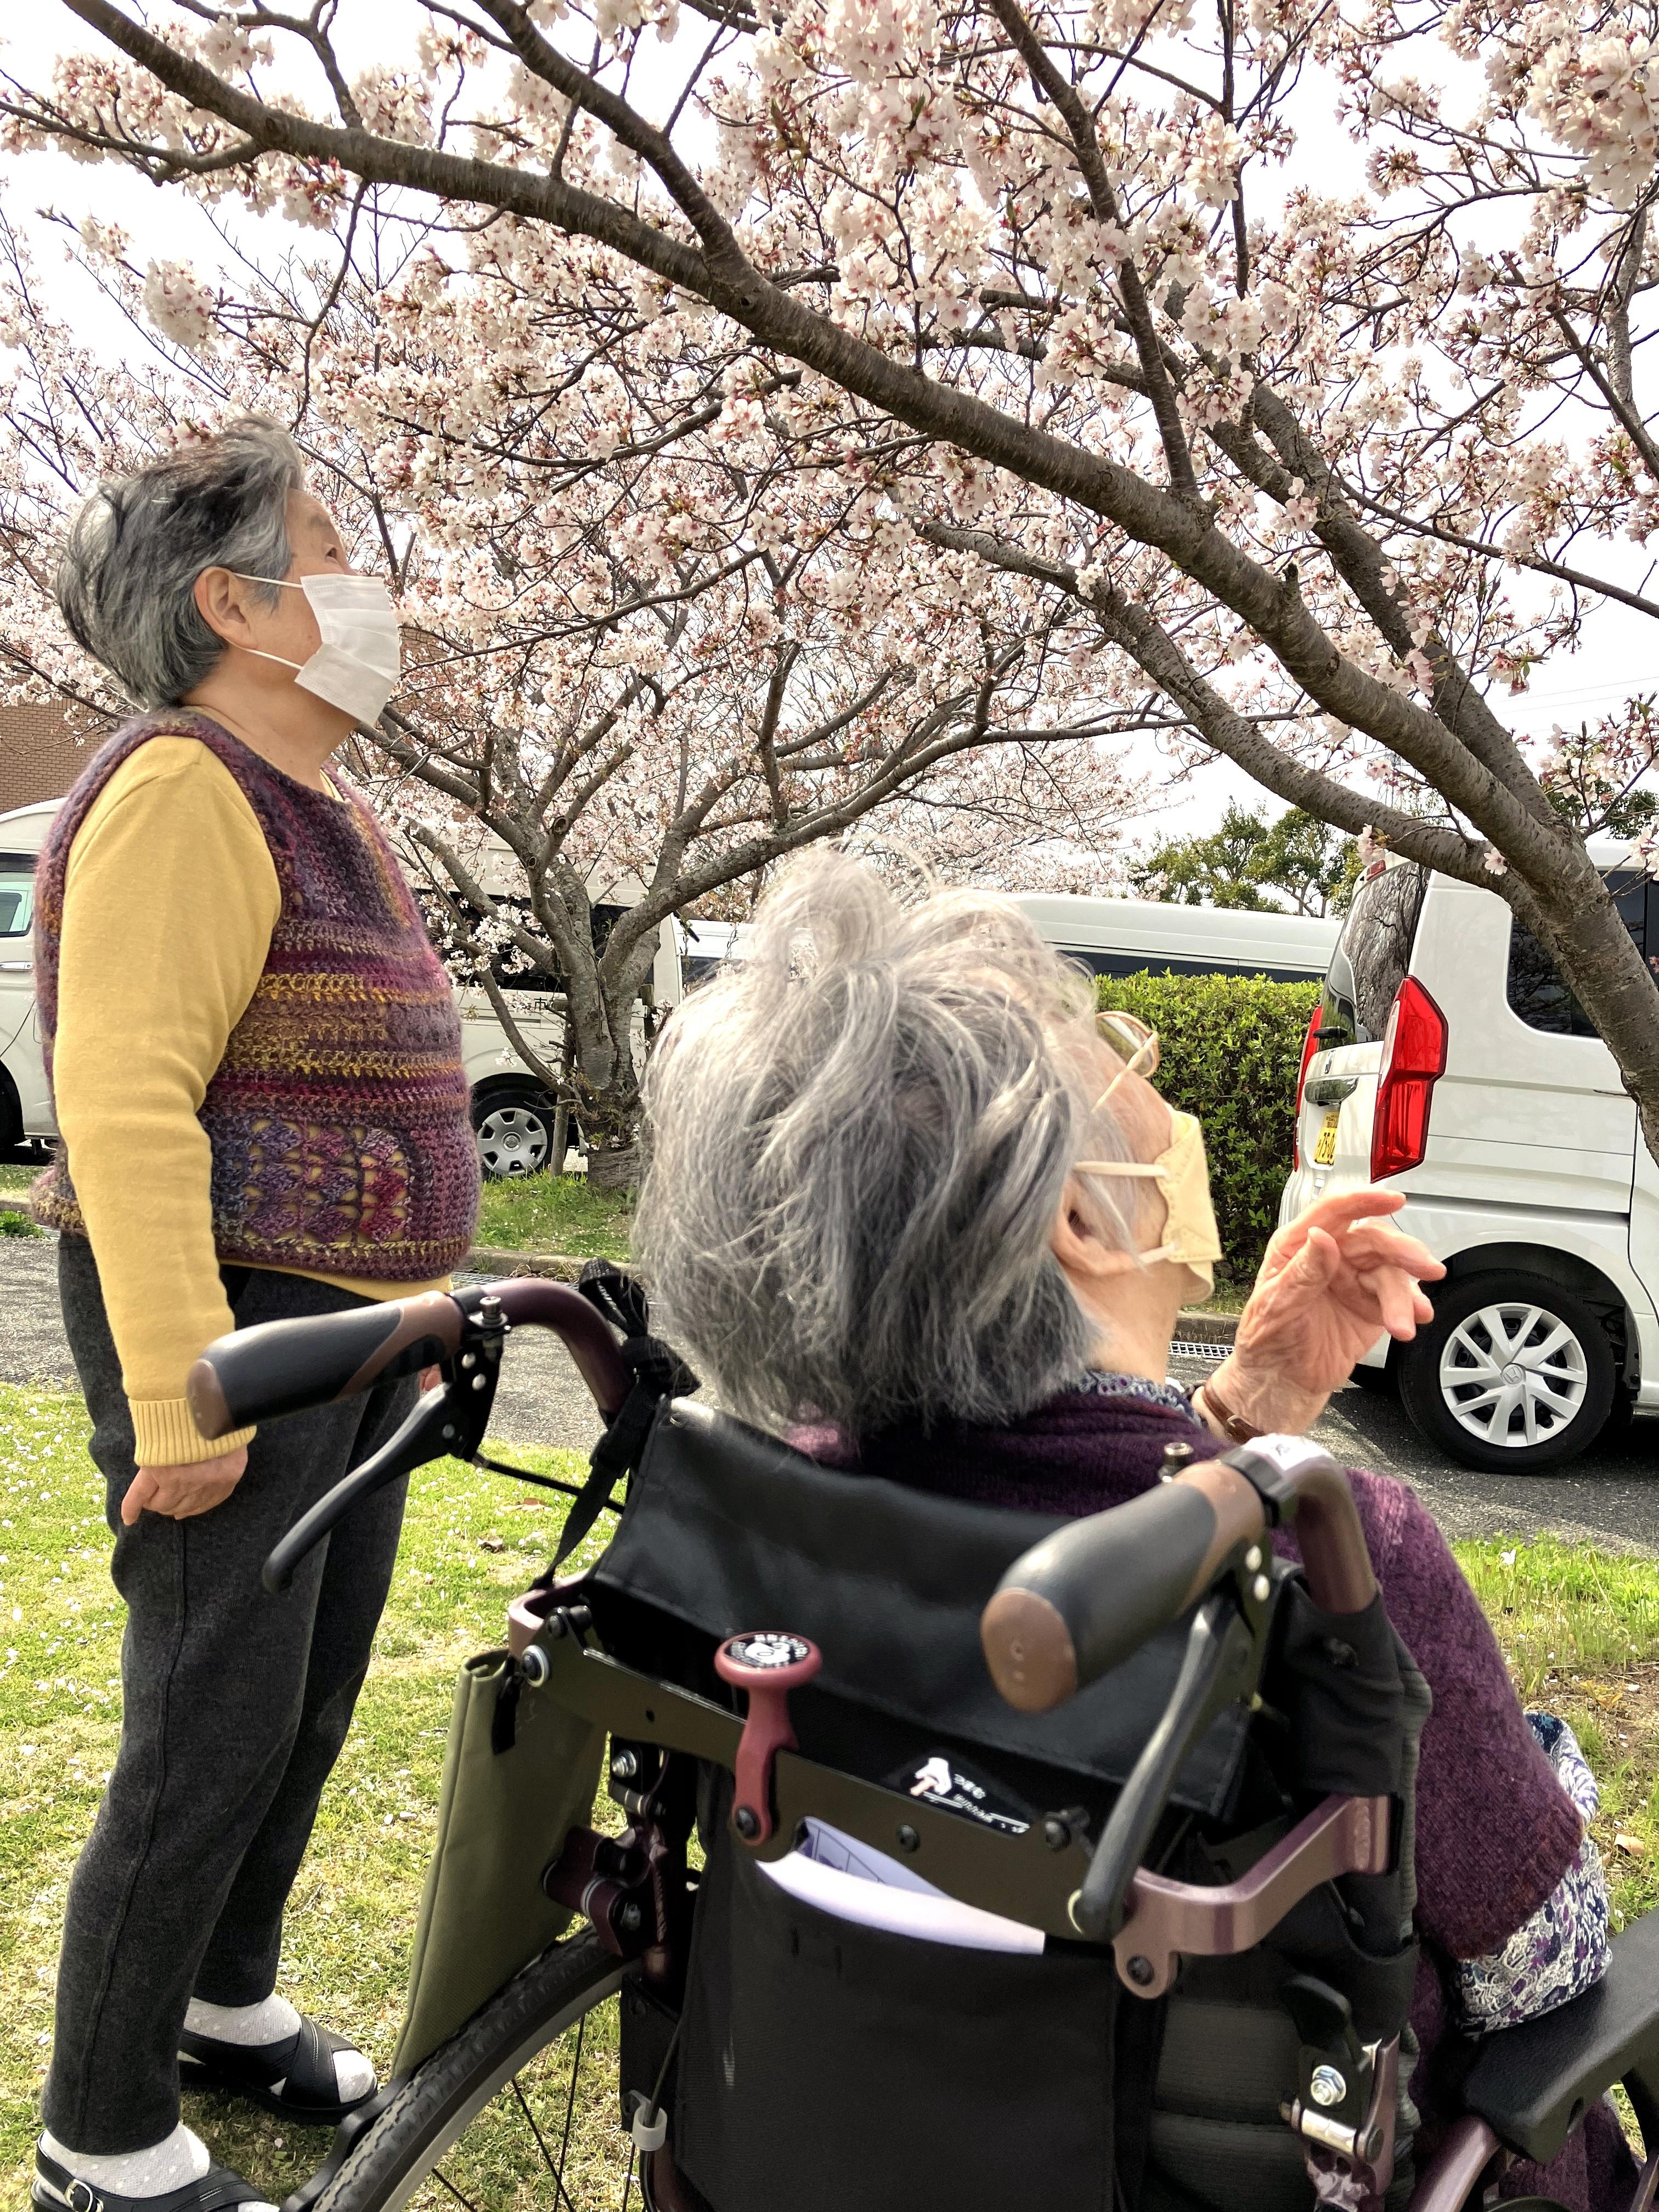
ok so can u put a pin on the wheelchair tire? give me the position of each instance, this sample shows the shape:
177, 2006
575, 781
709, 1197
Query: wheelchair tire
464, 2127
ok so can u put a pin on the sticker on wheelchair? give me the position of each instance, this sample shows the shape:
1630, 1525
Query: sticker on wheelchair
954, 1788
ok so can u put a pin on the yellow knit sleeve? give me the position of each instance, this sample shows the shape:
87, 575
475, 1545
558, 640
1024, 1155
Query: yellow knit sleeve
169, 904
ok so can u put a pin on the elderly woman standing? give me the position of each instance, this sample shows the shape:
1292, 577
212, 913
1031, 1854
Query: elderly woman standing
907, 1203
256, 1066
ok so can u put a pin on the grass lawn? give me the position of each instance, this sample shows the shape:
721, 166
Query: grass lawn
555, 1213
1581, 1630
353, 1913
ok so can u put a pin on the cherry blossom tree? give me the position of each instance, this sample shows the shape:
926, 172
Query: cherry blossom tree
1322, 462
643, 677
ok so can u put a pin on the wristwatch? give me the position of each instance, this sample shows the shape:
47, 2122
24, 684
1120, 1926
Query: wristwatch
1232, 1425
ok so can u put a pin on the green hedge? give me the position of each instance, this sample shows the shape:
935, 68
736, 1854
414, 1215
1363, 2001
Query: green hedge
1231, 1047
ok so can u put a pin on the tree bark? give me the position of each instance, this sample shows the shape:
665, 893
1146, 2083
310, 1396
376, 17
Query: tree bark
611, 1129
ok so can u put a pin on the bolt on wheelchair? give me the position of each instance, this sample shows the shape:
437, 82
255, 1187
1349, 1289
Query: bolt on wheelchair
1136, 1794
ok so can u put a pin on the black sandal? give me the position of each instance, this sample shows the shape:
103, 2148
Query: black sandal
304, 2066
218, 2189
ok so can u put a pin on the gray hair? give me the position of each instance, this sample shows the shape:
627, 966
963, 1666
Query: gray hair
860, 1134
126, 581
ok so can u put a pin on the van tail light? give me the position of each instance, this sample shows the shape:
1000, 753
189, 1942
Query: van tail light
1309, 1047
1414, 1056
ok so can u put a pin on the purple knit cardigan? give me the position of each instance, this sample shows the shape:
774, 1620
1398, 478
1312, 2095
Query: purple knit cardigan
338, 1112
1495, 1830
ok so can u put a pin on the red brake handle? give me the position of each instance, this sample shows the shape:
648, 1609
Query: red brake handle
767, 1664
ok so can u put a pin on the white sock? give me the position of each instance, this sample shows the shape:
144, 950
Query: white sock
156, 2171
273, 2021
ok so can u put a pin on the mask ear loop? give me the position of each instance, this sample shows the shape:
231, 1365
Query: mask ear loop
1143, 1057
1130, 1167
1144, 1053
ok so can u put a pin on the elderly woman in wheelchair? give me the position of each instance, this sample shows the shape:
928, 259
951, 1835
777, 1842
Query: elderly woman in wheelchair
1103, 1801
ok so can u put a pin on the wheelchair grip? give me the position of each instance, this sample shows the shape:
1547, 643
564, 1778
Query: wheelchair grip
1079, 1603
283, 1366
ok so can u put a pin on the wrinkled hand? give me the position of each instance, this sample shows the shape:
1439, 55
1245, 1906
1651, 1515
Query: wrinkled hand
1331, 1282
180, 1491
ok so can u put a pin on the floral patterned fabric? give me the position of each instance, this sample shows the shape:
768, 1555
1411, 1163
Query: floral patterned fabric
1561, 1950
1099, 1383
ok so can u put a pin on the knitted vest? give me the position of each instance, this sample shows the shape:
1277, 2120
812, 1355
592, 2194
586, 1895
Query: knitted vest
338, 1113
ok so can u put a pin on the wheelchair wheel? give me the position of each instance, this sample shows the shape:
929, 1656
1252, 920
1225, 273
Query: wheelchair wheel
519, 2108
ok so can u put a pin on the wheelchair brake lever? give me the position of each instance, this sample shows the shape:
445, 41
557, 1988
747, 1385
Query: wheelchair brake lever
1214, 1671
450, 1421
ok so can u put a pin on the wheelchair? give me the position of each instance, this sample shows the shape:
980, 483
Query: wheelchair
1158, 1781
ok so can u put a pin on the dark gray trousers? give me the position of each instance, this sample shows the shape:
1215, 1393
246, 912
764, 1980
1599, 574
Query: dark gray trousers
234, 1708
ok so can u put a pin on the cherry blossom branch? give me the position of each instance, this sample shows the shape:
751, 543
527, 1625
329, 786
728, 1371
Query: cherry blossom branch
729, 281
1080, 124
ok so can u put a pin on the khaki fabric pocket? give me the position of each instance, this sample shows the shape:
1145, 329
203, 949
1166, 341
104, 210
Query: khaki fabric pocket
501, 1816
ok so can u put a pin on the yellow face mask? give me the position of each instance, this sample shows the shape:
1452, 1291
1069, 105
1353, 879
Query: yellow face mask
1190, 1237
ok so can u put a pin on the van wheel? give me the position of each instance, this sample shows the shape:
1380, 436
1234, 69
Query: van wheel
513, 1126
1513, 1372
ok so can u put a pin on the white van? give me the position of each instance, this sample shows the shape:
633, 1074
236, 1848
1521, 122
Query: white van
1118, 936
25, 1107
512, 1112
1448, 1057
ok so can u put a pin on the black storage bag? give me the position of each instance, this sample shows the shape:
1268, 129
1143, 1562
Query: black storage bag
824, 2064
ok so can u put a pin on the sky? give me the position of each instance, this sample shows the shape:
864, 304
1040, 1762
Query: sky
1615, 660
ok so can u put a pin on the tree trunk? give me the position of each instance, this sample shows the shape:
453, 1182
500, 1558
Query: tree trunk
1599, 962
561, 1144
613, 1170
610, 1121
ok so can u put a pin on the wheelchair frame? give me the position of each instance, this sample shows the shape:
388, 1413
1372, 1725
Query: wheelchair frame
1529, 2087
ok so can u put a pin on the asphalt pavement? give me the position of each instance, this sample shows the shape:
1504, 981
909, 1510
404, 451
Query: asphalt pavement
541, 1398
1609, 1497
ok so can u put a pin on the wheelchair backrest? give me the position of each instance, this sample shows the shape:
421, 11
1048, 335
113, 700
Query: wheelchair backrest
823, 2062
728, 1529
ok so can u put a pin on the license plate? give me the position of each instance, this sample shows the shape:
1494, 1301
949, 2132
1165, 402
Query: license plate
1325, 1147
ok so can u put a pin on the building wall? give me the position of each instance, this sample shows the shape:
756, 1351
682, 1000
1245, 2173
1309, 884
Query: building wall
40, 755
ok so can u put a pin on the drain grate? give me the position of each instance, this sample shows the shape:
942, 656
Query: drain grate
1187, 1347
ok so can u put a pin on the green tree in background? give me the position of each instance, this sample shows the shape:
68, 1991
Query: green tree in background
1292, 861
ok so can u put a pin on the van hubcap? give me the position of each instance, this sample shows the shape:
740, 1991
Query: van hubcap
1514, 1375
512, 1141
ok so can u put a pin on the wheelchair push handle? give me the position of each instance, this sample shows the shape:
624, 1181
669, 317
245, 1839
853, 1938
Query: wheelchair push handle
280, 1367
284, 1366
1079, 1603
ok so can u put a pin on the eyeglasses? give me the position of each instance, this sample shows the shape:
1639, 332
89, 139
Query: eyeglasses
1134, 1042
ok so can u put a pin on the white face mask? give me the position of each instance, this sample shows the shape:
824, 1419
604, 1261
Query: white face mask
357, 665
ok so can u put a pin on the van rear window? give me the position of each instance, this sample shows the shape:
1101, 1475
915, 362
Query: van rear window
1099, 962
1535, 990
1371, 956
16, 893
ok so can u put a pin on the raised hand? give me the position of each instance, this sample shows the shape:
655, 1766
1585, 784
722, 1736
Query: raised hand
1331, 1282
